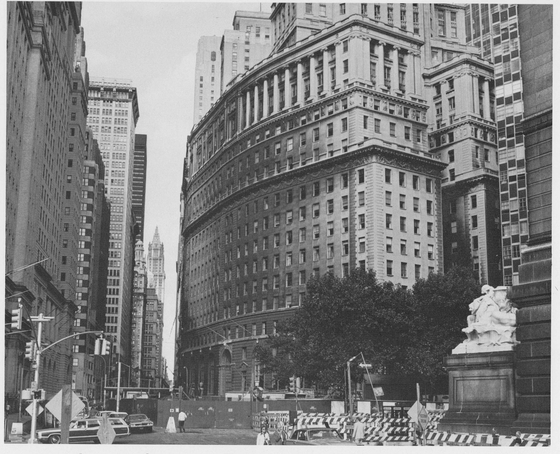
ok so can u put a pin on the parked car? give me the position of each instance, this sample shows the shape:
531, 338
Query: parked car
316, 436
82, 430
139, 422
112, 414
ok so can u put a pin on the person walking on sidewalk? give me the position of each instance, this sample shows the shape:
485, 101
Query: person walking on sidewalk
263, 438
182, 418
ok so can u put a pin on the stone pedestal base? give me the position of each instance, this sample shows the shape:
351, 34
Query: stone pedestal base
481, 393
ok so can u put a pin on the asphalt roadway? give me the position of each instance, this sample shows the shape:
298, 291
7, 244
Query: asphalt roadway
191, 437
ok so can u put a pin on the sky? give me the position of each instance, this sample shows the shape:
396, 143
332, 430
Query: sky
154, 44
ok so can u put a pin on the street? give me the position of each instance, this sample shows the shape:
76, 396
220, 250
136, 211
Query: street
192, 437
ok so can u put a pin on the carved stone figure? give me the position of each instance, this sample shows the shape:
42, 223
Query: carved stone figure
492, 323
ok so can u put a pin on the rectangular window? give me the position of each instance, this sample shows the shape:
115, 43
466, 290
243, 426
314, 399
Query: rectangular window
416, 249
389, 267
403, 270
473, 201
475, 242
392, 129
377, 126
316, 232
402, 201
388, 221
361, 221
474, 222
403, 247
429, 185
361, 175
403, 224
316, 189
344, 225
330, 228
330, 185
416, 204
402, 179
361, 198
316, 210
330, 130
388, 176
430, 227
344, 202
430, 251
416, 227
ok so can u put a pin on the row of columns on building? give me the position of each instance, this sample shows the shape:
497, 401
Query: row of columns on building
468, 85
251, 110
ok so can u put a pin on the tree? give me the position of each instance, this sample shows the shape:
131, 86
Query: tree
398, 330
442, 307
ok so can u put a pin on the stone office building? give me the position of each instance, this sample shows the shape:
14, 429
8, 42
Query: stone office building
329, 155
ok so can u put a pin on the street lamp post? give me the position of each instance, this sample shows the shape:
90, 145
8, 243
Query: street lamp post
350, 400
40, 319
119, 382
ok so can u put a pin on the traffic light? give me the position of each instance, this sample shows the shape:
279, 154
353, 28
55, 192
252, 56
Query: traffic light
298, 384
16, 318
106, 347
30, 350
292, 386
98, 344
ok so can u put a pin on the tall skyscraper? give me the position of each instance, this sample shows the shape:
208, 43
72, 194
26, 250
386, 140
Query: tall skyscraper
533, 294
151, 372
459, 88
139, 182
44, 155
138, 312
326, 163
494, 29
207, 75
247, 44
113, 114
156, 266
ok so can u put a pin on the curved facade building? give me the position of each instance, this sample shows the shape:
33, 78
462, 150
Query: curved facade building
316, 160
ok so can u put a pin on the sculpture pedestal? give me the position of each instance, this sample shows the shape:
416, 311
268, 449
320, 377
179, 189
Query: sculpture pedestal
481, 393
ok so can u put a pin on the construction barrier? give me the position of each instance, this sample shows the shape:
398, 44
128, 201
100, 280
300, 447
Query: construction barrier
381, 428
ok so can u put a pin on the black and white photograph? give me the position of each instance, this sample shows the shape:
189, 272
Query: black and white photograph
297, 224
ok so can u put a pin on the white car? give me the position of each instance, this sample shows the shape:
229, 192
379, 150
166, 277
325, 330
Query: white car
82, 430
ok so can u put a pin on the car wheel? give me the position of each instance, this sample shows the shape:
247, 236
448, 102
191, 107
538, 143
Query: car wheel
54, 439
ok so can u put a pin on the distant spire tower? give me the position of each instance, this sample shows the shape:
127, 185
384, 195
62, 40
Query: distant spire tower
156, 266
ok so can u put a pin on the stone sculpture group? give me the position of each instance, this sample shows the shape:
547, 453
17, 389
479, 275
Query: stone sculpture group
492, 323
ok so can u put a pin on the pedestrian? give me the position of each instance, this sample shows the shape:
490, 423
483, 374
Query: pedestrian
358, 432
182, 418
263, 438
283, 431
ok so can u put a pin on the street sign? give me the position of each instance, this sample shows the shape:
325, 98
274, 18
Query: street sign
365, 366
423, 418
106, 433
29, 409
55, 405
419, 415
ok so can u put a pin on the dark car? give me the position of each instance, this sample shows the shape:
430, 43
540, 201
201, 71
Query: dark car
139, 422
315, 436
82, 430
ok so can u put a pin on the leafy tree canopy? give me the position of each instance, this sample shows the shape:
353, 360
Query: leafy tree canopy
398, 330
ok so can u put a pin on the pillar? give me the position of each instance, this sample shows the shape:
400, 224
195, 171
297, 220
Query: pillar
265, 98
326, 74
239, 112
486, 103
476, 102
338, 58
248, 109
380, 52
366, 74
395, 69
276, 94
313, 77
256, 101
409, 78
287, 92
300, 84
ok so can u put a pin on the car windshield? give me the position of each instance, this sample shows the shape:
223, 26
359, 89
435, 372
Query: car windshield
137, 417
321, 434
